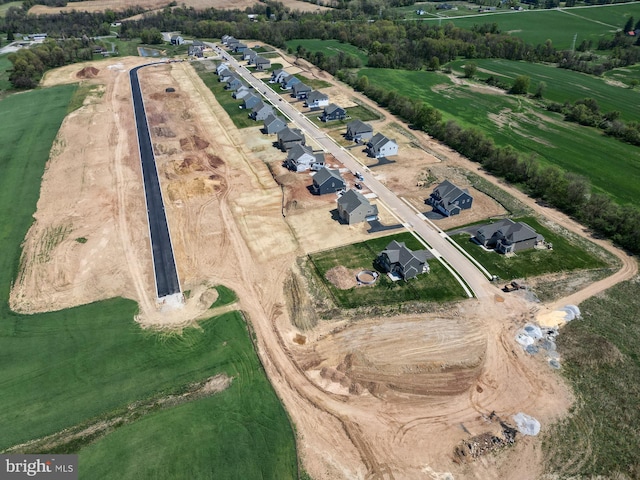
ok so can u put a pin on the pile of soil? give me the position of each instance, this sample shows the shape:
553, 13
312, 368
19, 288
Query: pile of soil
88, 72
341, 277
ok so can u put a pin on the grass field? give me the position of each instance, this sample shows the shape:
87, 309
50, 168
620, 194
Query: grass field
329, 47
360, 112
624, 75
519, 122
562, 84
6, 6
225, 296
239, 115
436, 286
83, 365
312, 82
560, 26
5, 65
564, 257
599, 354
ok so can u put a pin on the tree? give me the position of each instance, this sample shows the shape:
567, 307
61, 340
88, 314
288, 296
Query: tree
520, 85
434, 63
10, 36
540, 89
470, 69
362, 84
629, 25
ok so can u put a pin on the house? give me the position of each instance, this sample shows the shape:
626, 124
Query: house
232, 42
225, 75
195, 51
358, 131
225, 38
199, 44
250, 101
288, 81
300, 91
248, 55
261, 111
333, 112
241, 93
274, 124
277, 75
399, 260
507, 236
327, 181
353, 207
176, 40
316, 99
288, 137
221, 68
240, 47
449, 199
301, 158
381, 146
234, 83
262, 63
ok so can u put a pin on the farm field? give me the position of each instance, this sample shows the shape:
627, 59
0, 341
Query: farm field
437, 286
516, 121
559, 26
600, 358
329, 47
564, 257
104, 362
562, 84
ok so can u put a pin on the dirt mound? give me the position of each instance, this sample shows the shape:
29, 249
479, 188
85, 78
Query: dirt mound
341, 277
88, 72
214, 161
190, 164
194, 142
163, 132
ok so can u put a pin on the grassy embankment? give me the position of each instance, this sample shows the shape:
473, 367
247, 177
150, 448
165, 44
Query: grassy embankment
520, 122
84, 365
565, 256
600, 437
436, 286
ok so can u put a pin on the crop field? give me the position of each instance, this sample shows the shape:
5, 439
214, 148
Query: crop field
599, 354
564, 257
436, 286
562, 84
329, 47
80, 366
516, 121
559, 26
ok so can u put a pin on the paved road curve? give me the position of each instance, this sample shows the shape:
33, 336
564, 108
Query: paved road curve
164, 265
477, 282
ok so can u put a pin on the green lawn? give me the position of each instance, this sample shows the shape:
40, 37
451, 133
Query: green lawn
239, 115
599, 355
6, 6
225, 296
5, 65
360, 112
329, 47
562, 84
312, 82
611, 165
536, 26
436, 286
564, 257
82, 365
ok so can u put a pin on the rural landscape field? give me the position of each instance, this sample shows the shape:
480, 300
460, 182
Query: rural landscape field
462, 305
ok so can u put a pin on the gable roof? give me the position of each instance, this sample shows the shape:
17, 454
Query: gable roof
518, 232
315, 95
271, 119
259, 106
277, 72
448, 192
351, 200
289, 134
332, 107
301, 87
397, 252
298, 151
325, 174
261, 60
358, 126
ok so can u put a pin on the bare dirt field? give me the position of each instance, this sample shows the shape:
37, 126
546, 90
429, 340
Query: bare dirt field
118, 5
380, 397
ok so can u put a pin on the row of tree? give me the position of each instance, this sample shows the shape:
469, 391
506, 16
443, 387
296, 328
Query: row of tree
566, 191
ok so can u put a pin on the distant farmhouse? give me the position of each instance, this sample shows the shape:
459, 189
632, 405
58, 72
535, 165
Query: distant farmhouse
327, 181
399, 260
316, 99
333, 112
301, 158
449, 199
358, 131
353, 207
507, 236
381, 146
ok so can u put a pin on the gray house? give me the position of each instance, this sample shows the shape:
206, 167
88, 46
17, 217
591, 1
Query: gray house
221, 68
225, 75
273, 124
316, 99
358, 131
333, 112
248, 55
288, 81
381, 146
402, 261
262, 63
234, 84
232, 42
449, 199
353, 207
241, 93
261, 111
240, 47
225, 39
177, 40
507, 236
301, 158
277, 75
288, 137
327, 181
195, 51
300, 90
250, 101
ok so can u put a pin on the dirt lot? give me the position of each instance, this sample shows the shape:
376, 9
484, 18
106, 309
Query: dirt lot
384, 397
116, 5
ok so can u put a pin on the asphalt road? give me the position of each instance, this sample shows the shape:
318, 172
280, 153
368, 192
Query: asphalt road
164, 265
463, 268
